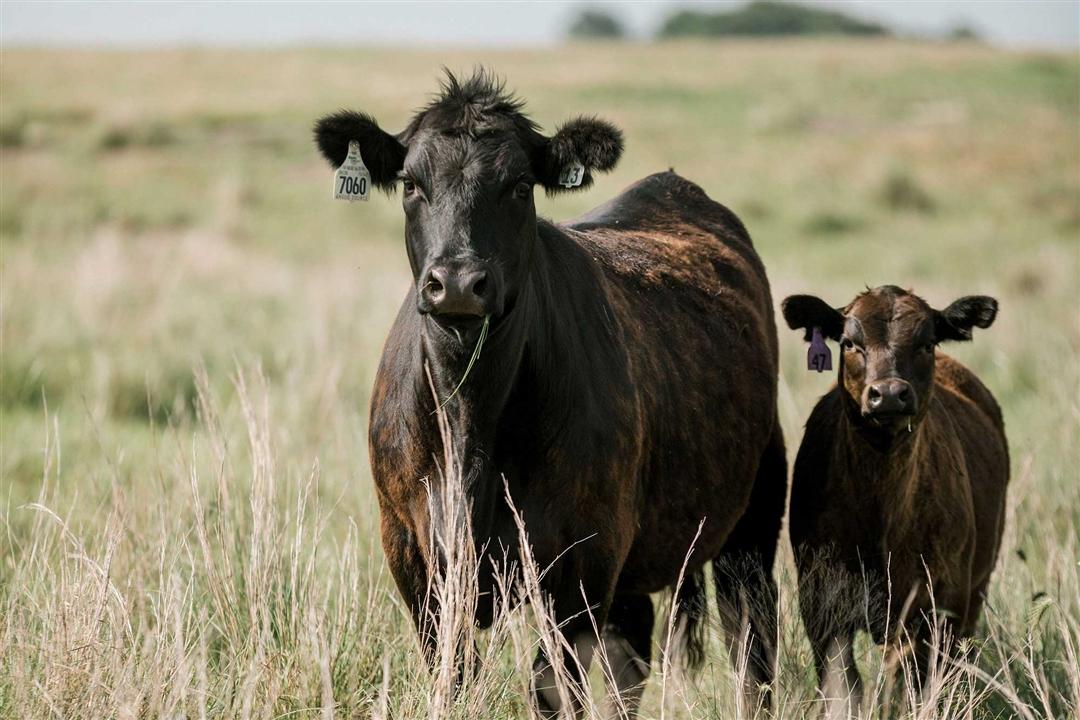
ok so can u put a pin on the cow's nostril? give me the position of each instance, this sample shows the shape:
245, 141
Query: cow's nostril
480, 286
904, 396
874, 393
434, 284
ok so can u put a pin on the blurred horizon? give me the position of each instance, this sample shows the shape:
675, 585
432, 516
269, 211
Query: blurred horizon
1047, 24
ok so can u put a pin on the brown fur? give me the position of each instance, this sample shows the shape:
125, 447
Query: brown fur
883, 516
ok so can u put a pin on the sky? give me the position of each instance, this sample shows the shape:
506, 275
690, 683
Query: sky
1013, 23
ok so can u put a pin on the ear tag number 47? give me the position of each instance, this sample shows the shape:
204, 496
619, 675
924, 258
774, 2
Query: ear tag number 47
819, 356
352, 181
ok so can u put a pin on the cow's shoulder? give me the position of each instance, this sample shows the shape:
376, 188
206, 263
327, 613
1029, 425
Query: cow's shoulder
956, 381
814, 460
662, 201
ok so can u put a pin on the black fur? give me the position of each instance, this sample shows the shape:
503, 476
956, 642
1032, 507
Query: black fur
381, 152
472, 107
955, 322
595, 143
805, 312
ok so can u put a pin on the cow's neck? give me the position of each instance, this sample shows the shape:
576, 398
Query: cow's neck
887, 470
534, 368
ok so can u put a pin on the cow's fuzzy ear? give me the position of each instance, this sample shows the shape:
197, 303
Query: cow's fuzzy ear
955, 322
806, 312
381, 152
595, 144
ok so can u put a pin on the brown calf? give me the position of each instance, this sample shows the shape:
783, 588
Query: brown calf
898, 494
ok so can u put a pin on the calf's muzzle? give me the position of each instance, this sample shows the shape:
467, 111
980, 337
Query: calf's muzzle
889, 398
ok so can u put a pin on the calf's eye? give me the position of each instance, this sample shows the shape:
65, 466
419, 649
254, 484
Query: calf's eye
523, 191
408, 186
927, 348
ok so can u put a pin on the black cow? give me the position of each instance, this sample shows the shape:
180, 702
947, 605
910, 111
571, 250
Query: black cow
626, 389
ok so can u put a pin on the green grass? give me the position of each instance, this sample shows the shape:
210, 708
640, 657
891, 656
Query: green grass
166, 218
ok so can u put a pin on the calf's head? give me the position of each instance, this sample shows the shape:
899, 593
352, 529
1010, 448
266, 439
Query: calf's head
887, 339
467, 164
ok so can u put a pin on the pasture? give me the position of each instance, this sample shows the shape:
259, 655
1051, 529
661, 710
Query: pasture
191, 326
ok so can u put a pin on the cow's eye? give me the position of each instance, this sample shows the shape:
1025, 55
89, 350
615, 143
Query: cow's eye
846, 344
408, 186
927, 348
522, 191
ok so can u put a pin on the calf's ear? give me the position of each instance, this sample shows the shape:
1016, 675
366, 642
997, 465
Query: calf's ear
381, 152
595, 144
955, 322
806, 312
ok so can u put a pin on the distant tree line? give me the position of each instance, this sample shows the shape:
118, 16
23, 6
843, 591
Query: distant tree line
759, 18
765, 18
597, 25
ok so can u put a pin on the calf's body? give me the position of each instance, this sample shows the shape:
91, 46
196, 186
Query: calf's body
894, 516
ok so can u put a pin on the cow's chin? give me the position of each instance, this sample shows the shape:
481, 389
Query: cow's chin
464, 329
889, 424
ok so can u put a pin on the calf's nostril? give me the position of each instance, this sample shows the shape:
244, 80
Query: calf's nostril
480, 286
904, 396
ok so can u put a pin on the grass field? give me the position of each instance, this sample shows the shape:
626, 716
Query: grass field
191, 326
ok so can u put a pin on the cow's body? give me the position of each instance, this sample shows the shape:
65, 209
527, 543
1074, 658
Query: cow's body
628, 395
898, 493
932, 507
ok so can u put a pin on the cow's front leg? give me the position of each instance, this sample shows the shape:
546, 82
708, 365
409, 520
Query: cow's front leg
580, 606
628, 653
559, 692
410, 572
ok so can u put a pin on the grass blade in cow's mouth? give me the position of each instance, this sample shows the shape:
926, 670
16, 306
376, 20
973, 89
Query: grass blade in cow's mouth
472, 361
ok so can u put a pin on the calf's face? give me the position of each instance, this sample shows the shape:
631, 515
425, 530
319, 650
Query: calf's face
887, 342
467, 165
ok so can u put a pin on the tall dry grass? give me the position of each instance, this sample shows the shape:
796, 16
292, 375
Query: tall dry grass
179, 544
237, 604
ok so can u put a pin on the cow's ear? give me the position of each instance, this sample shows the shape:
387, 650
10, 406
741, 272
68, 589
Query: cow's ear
593, 144
806, 312
955, 322
381, 152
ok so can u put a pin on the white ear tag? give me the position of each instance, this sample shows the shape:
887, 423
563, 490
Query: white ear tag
352, 181
572, 175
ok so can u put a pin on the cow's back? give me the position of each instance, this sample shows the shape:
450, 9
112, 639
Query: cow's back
690, 295
664, 231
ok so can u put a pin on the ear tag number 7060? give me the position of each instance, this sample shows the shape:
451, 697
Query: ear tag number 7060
352, 181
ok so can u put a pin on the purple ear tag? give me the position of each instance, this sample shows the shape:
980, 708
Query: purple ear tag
820, 356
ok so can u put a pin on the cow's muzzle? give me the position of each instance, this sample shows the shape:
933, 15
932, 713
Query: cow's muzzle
462, 290
889, 400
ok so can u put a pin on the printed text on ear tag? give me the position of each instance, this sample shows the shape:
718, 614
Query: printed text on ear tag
819, 356
572, 175
352, 181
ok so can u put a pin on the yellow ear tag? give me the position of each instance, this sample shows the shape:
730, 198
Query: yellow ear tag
352, 181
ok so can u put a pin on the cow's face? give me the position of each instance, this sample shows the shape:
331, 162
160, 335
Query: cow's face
470, 221
468, 165
887, 342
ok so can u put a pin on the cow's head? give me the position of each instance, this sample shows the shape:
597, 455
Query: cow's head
887, 338
467, 164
